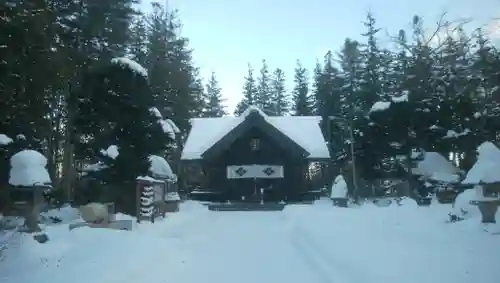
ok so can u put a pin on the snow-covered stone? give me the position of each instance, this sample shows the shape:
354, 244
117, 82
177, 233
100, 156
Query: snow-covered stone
130, 64
28, 169
160, 168
5, 140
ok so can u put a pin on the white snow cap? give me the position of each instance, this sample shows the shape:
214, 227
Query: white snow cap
28, 169
130, 64
339, 188
304, 130
380, 106
487, 166
111, 152
436, 167
160, 167
5, 140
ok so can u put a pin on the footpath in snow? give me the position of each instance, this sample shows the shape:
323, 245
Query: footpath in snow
317, 244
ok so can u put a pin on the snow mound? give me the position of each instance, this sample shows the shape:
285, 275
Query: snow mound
5, 140
111, 152
28, 169
339, 188
462, 206
407, 202
131, 65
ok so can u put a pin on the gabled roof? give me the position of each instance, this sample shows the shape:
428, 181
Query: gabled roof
303, 131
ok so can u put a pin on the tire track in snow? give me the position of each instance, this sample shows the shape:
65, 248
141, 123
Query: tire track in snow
333, 265
311, 260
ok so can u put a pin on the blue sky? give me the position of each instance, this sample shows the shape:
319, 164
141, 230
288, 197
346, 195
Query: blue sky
227, 35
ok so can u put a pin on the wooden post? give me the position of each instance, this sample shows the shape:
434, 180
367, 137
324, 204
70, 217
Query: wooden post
138, 200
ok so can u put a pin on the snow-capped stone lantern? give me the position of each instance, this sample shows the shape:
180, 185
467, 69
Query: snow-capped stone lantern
338, 192
484, 175
29, 175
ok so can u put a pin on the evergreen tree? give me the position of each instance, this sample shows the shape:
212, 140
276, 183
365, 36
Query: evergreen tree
279, 95
372, 79
249, 93
302, 103
263, 98
107, 92
213, 98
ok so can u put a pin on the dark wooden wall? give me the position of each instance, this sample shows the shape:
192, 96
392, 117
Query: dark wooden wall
269, 153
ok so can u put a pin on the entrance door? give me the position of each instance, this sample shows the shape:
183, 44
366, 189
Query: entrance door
264, 177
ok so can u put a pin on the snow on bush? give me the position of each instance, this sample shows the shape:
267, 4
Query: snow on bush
339, 188
380, 106
168, 126
130, 64
5, 140
28, 169
111, 152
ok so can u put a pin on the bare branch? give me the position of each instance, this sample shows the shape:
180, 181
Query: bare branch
440, 24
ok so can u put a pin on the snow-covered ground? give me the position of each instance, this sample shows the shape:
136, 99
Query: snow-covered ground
304, 243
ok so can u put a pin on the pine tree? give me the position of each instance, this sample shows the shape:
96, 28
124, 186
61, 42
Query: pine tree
262, 97
249, 93
278, 93
213, 98
371, 84
302, 103
351, 64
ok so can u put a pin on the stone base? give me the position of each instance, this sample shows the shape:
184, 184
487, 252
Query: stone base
488, 211
339, 202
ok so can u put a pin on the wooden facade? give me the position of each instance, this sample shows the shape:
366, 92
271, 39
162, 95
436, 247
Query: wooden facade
255, 142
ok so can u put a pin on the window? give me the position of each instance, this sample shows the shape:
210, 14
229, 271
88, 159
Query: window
254, 144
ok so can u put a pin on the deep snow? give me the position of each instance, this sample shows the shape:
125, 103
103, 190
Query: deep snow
304, 243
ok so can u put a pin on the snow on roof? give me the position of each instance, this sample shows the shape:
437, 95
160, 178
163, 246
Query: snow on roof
130, 64
5, 140
159, 167
339, 188
380, 106
28, 169
111, 152
487, 166
304, 130
436, 167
